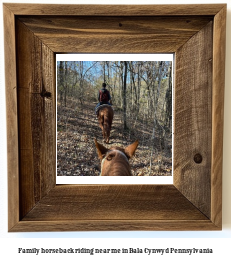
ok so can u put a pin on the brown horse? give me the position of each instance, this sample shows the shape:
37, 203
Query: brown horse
114, 161
105, 116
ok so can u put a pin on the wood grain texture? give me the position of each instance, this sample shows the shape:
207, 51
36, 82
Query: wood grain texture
114, 225
12, 122
218, 114
115, 34
114, 202
193, 126
111, 207
36, 106
114, 10
194, 201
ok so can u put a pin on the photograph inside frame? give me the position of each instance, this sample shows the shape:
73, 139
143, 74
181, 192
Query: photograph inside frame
114, 118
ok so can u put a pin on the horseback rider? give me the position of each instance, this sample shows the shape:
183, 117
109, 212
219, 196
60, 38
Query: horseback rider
104, 97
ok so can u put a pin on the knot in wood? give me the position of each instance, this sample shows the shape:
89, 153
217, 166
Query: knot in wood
45, 94
198, 158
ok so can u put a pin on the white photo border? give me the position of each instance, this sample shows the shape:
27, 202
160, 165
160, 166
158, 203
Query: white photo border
71, 180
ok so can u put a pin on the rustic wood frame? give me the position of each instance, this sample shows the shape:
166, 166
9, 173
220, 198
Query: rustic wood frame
33, 34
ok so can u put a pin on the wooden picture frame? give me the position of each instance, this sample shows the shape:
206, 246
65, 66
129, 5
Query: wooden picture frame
33, 34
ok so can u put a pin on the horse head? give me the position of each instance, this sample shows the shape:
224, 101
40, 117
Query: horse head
115, 161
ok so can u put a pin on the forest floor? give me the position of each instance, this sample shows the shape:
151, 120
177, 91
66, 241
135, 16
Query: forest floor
77, 126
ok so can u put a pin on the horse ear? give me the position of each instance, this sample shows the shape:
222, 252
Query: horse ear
101, 150
130, 150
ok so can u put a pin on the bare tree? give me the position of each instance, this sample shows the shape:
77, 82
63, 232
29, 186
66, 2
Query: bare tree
61, 81
124, 95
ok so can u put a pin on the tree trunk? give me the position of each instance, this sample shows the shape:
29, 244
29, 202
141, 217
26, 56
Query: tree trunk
81, 83
124, 95
65, 85
168, 101
61, 80
138, 90
104, 71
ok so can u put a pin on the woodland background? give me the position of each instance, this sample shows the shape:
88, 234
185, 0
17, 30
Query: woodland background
141, 94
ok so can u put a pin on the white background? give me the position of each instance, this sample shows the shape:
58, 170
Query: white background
219, 241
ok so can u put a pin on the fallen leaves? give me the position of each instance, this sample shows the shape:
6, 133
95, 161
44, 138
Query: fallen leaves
77, 127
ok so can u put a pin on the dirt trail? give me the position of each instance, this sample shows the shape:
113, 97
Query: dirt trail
77, 126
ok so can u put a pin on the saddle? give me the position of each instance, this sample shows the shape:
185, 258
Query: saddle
100, 107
